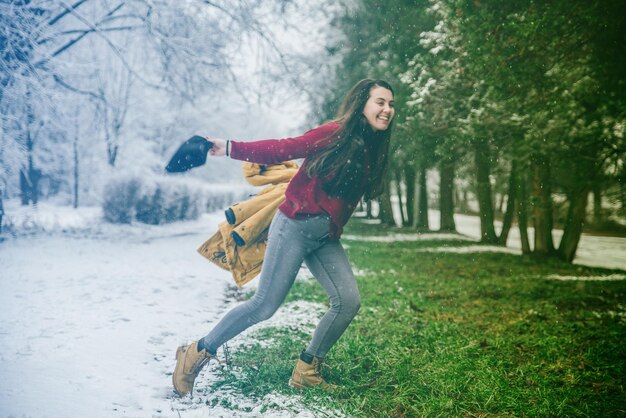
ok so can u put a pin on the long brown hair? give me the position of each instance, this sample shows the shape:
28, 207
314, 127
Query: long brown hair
342, 162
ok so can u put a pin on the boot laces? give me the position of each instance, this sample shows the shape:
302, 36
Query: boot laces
318, 368
200, 362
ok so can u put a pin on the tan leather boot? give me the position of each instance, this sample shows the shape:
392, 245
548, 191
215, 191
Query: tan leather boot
307, 373
189, 362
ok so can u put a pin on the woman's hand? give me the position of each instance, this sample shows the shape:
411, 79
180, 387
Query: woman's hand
219, 147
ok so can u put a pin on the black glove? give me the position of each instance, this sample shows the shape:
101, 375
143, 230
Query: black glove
192, 153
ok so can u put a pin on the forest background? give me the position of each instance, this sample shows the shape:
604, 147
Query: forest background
513, 111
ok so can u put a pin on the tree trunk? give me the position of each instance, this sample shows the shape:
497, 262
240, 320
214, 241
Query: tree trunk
573, 227
542, 207
1, 211
500, 200
507, 221
483, 192
446, 195
398, 191
622, 197
110, 145
370, 214
386, 212
409, 176
25, 189
462, 202
394, 191
422, 200
76, 172
29, 177
522, 213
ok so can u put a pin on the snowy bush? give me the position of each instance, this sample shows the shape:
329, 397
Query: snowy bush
120, 198
47, 217
165, 199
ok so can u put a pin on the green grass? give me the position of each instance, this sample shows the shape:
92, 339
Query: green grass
443, 334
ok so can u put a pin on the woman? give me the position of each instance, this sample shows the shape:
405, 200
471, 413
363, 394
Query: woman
345, 160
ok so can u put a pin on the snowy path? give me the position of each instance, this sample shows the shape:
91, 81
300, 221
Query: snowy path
91, 319
89, 325
596, 251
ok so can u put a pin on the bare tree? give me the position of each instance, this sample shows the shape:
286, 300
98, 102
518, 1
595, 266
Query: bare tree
109, 55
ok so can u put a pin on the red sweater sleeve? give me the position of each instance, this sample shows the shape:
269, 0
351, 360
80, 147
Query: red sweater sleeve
274, 151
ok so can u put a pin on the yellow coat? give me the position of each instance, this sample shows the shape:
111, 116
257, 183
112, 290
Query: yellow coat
239, 244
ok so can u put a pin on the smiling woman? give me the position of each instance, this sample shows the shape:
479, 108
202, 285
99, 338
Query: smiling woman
355, 162
345, 160
379, 110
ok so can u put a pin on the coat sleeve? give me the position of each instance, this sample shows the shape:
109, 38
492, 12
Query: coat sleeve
274, 151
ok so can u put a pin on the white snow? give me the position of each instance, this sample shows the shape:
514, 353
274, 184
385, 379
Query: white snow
90, 320
468, 249
406, 237
607, 278
48, 217
594, 251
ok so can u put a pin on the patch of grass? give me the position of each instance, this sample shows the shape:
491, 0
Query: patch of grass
443, 334
363, 227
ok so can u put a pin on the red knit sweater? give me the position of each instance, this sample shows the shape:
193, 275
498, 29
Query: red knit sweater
304, 195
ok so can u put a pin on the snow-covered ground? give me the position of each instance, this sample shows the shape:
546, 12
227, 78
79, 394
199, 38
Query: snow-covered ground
92, 314
91, 319
596, 251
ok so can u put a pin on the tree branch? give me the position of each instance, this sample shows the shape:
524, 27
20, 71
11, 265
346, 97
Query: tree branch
84, 32
65, 12
94, 28
64, 84
98, 32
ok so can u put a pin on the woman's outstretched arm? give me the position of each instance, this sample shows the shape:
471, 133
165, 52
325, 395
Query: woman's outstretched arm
274, 151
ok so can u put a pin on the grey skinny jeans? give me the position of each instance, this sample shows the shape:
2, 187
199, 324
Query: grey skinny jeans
290, 242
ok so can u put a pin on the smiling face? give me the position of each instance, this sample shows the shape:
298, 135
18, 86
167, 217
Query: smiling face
379, 110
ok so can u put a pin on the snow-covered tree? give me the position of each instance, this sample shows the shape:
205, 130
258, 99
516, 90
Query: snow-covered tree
132, 67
